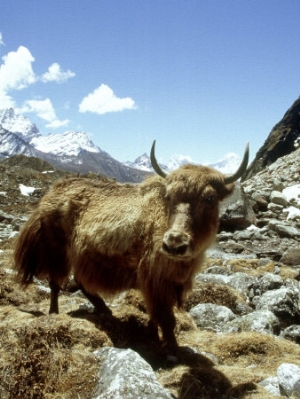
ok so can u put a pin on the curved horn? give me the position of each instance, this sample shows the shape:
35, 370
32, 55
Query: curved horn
154, 162
241, 170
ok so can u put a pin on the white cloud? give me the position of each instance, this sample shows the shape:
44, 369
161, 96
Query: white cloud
58, 123
44, 110
56, 74
16, 73
6, 101
103, 100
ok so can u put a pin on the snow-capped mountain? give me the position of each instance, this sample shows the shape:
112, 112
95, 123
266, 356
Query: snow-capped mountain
12, 144
226, 165
20, 136
178, 160
69, 143
18, 124
72, 151
65, 144
143, 163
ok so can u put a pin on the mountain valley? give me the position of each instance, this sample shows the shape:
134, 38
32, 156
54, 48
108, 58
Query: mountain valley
238, 331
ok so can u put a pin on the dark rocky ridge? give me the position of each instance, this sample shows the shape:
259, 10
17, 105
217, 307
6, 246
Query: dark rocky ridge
280, 142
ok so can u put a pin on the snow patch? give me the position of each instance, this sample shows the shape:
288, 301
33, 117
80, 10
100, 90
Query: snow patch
292, 193
13, 234
26, 190
252, 228
293, 213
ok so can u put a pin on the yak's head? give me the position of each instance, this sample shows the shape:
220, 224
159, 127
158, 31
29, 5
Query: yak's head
193, 194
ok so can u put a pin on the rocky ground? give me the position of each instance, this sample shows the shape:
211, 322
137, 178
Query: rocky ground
239, 331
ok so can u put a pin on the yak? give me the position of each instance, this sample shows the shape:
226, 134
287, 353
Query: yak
113, 237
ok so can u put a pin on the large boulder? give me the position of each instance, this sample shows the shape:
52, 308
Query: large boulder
124, 374
236, 211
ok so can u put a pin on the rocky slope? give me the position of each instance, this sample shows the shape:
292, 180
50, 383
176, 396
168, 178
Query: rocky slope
274, 194
239, 331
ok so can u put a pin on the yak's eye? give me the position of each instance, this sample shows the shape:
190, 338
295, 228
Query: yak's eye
168, 197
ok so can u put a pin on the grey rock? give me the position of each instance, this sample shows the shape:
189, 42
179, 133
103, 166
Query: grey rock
278, 185
218, 270
244, 235
267, 282
292, 333
283, 302
213, 278
6, 217
242, 309
225, 235
241, 281
275, 208
271, 384
262, 321
233, 247
278, 198
211, 316
260, 200
236, 211
289, 379
291, 257
124, 374
287, 231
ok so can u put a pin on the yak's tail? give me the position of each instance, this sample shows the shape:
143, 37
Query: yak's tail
28, 253
41, 251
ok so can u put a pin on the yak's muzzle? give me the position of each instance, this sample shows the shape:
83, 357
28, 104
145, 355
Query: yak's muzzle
177, 240
176, 243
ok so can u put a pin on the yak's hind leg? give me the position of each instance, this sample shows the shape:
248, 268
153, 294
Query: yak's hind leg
55, 288
96, 300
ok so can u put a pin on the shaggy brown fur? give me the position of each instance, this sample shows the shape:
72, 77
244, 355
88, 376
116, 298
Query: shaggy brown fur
113, 237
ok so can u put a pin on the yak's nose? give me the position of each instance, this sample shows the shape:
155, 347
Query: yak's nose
176, 243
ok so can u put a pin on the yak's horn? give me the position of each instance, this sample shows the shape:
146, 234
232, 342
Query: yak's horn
154, 162
242, 168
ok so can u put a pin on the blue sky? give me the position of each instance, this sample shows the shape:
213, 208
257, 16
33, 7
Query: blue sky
202, 77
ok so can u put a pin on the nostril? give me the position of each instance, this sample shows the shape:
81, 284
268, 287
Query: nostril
179, 250
165, 247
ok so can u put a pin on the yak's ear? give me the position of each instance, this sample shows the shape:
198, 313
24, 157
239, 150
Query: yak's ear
226, 190
222, 189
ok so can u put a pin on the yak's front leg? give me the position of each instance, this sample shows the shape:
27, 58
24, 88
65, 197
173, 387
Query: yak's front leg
166, 321
55, 288
161, 314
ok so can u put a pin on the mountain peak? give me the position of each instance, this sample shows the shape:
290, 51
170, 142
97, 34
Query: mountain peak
143, 162
18, 124
69, 143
